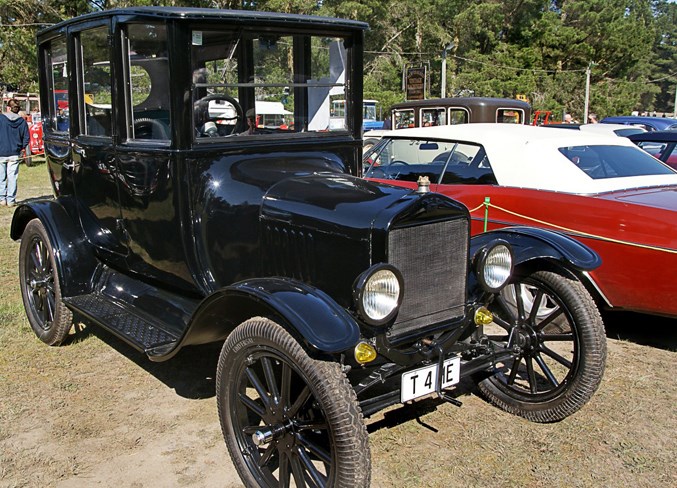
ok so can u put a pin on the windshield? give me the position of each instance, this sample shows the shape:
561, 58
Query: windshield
600, 162
445, 162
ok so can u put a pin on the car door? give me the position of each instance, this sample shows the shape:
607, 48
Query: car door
92, 140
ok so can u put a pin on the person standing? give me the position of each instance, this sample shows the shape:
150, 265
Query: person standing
13, 139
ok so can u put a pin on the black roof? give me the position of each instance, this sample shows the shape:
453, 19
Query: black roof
465, 102
656, 136
208, 14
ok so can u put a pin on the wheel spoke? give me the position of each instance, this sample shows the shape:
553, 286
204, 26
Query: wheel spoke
285, 386
521, 314
547, 320
318, 478
268, 454
284, 471
300, 400
546, 370
258, 386
535, 307
270, 380
513, 370
297, 471
252, 405
568, 337
49, 298
532, 375
317, 450
35, 258
549, 352
317, 425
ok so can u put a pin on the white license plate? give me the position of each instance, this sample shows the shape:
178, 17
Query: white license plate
423, 381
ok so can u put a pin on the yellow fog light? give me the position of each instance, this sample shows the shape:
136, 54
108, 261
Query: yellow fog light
364, 353
483, 316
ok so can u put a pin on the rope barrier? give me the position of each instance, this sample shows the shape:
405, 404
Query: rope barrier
487, 204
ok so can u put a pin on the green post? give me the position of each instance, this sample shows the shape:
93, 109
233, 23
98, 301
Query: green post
487, 200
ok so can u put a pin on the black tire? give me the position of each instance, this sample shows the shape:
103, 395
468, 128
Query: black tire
560, 335
28, 160
267, 383
40, 287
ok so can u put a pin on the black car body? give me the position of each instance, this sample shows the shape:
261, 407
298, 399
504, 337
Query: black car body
178, 220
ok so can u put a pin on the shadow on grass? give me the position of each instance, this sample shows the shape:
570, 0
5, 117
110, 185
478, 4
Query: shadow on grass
191, 373
647, 330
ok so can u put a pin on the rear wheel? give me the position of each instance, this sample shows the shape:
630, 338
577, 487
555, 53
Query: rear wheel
40, 287
287, 418
554, 325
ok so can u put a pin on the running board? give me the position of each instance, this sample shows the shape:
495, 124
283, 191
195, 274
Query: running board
139, 330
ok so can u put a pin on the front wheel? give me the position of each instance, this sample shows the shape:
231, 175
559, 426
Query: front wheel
554, 326
285, 416
40, 287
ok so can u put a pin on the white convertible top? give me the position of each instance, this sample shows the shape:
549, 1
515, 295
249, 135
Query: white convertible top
528, 156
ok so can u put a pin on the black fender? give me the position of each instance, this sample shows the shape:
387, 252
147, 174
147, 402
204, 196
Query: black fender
310, 315
75, 260
530, 243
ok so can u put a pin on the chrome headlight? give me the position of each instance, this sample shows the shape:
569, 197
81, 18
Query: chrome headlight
378, 294
494, 266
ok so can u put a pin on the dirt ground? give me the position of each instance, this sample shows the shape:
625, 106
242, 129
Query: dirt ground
95, 413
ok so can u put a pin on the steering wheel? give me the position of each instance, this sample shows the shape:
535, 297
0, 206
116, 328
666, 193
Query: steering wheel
397, 161
201, 111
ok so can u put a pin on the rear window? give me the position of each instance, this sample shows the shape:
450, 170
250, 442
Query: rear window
600, 162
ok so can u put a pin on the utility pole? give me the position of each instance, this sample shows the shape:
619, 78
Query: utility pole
448, 47
674, 115
587, 92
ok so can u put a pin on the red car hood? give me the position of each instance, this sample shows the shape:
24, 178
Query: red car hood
664, 197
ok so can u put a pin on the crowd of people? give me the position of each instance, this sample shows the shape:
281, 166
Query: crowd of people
14, 139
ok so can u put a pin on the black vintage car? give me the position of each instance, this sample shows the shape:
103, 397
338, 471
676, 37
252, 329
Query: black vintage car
180, 219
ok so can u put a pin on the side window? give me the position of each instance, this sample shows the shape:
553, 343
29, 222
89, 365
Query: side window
147, 71
56, 115
509, 116
468, 164
403, 119
266, 85
432, 117
95, 87
458, 116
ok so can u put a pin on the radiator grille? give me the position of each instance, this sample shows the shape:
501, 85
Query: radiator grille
433, 262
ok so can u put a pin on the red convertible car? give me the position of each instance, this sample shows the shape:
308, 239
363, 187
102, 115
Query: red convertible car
601, 190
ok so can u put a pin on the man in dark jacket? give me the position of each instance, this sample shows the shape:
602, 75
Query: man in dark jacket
13, 139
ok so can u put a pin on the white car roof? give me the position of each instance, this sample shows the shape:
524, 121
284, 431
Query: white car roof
528, 156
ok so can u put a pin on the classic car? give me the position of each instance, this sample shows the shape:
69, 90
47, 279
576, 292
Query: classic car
334, 297
603, 191
648, 123
452, 111
660, 144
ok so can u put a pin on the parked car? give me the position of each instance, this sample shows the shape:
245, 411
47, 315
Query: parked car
620, 130
334, 297
453, 111
660, 144
603, 191
648, 123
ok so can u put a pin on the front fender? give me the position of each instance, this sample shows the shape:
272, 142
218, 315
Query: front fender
529, 243
310, 315
75, 260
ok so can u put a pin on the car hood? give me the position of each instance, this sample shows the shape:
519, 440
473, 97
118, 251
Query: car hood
664, 197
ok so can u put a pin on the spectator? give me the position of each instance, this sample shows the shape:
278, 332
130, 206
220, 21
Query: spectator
568, 119
592, 118
13, 139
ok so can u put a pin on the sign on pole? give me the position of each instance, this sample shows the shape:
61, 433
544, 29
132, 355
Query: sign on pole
416, 83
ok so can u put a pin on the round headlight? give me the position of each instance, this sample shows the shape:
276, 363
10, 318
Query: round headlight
378, 293
495, 267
